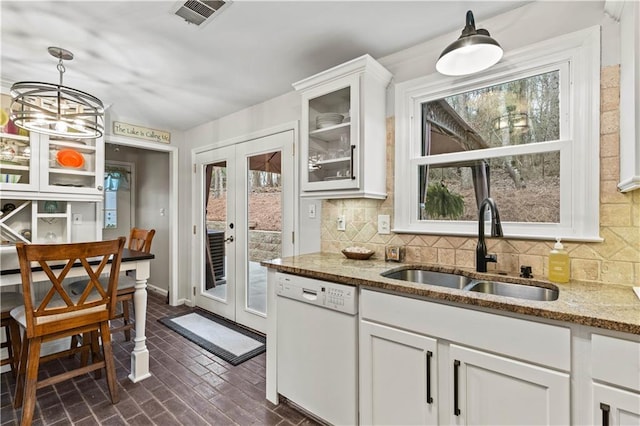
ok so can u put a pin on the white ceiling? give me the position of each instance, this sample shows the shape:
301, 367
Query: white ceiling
154, 69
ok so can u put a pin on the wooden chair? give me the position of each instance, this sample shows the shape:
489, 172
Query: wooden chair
60, 315
139, 240
8, 301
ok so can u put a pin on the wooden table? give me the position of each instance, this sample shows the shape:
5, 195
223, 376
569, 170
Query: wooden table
131, 261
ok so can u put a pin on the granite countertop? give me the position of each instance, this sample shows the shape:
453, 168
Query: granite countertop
607, 306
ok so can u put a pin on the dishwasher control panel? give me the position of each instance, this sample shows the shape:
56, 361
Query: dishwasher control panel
338, 297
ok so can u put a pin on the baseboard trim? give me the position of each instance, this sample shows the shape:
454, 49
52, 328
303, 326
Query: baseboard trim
157, 290
164, 293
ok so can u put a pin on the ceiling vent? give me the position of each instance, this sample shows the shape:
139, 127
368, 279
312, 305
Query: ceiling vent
200, 12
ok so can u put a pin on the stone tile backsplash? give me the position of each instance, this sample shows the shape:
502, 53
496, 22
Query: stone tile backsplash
615, 260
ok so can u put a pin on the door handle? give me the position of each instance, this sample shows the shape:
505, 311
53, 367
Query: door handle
229, 239
429, 397
353, 172
456, 407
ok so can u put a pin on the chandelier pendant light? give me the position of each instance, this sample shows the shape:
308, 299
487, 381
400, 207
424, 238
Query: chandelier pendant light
55, 109
474, 51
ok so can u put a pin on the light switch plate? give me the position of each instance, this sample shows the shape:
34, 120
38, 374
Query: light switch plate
76, 218
384, 224
342, 223
312, 211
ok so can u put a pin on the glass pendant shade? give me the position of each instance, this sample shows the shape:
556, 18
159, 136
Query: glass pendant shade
57, 110
474, 51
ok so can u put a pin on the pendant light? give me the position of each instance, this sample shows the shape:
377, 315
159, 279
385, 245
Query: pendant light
55, 109
474, 51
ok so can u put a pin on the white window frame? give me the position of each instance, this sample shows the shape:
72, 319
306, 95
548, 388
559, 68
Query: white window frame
577, 56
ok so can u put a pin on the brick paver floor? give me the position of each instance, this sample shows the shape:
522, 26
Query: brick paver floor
189, 386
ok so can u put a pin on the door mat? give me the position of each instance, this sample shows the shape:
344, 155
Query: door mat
223, 338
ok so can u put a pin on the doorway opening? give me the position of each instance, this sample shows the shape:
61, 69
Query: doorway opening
147, 199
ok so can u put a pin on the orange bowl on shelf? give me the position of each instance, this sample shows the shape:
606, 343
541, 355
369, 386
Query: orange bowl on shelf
70, 158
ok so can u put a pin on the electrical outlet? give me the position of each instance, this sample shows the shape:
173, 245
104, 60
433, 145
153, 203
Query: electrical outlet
77, 218
342, 223
384, 224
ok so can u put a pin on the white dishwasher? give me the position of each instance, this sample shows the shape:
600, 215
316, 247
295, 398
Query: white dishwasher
317, 345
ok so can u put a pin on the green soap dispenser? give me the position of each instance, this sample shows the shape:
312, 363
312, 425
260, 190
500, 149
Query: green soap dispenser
558, 263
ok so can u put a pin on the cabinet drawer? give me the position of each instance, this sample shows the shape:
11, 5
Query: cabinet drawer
527, 340
616, 361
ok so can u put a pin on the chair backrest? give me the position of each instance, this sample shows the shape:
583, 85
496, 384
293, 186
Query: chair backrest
59, 311
140, 239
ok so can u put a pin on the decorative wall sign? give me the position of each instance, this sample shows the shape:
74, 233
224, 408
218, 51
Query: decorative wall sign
140, 132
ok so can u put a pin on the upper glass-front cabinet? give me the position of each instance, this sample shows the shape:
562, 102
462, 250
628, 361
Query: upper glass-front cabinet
331, 154
16, 158
35, 166
42, 167
343, 136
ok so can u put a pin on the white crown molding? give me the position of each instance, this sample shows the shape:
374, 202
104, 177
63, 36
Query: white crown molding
613, 8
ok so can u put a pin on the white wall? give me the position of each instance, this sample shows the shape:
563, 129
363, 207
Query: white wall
309, 232
531, 23
152, 210
86, 230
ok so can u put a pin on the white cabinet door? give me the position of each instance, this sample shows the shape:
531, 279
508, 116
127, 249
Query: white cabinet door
398, 377
489, 389
615, 407
343, 131
329, 147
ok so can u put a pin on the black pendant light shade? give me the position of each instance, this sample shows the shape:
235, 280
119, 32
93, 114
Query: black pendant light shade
474, 51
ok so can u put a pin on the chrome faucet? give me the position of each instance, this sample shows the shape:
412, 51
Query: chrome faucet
496, 231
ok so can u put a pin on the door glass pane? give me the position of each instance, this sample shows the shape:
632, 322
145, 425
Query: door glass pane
264, 186
216, 217
330, 156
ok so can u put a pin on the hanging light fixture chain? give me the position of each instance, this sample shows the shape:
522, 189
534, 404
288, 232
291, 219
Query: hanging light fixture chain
61, 69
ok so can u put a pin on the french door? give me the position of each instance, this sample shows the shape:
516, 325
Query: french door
245, 208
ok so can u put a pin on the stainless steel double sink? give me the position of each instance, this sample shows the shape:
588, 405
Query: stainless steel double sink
461, 282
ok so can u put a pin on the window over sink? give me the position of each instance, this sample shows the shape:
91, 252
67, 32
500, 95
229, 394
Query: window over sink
525, 132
